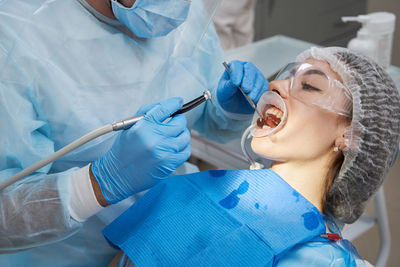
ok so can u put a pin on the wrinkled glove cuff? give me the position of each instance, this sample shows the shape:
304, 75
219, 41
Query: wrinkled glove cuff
110, 190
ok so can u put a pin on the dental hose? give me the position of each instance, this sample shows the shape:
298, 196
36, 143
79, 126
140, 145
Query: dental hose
116, 126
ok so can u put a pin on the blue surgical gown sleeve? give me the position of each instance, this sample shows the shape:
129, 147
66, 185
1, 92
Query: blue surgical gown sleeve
213, 123
216, 125
35, 211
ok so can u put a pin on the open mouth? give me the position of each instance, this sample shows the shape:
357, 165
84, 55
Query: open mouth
272, 116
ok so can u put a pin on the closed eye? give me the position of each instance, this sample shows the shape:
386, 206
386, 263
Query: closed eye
307, 86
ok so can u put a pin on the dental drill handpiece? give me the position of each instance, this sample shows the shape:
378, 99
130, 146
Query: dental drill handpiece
129, 122
116, 126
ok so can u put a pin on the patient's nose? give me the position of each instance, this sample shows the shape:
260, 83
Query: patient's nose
281, 87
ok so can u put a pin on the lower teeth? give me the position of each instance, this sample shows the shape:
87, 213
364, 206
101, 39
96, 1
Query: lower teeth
260, 122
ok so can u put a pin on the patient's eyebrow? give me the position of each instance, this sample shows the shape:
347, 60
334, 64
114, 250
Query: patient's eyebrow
315, 71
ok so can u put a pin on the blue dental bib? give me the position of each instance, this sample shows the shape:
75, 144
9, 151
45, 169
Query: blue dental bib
228, 218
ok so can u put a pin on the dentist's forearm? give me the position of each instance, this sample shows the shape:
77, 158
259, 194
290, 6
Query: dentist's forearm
96, 188
85, 198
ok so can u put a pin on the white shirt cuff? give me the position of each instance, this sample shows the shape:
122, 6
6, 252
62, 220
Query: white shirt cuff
83, 202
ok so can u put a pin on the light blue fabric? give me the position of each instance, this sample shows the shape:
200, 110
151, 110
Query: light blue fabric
249, 78
152, 18
322, 253
64, 71
228, 218
159, 149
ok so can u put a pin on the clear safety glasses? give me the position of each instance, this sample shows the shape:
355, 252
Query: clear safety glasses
307, 84
311, 85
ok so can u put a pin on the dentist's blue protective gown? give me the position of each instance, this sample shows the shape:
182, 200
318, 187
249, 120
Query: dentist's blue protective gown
66, 70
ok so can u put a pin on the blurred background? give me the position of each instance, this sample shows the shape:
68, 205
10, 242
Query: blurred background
319, 21
239, 22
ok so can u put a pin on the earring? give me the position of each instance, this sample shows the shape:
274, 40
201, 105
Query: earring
336, 148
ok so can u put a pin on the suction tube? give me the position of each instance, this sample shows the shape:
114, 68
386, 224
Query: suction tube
267, 100
254, 165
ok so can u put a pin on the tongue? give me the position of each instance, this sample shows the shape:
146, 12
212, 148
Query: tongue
272, 121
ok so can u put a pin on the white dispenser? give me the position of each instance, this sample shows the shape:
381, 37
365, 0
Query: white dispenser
375, 38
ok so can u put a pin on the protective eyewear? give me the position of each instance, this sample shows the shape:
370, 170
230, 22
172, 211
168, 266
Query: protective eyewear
312, 85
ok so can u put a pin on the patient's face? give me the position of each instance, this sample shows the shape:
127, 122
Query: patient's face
309, 131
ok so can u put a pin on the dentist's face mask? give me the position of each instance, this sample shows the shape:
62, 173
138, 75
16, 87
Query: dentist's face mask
152, 18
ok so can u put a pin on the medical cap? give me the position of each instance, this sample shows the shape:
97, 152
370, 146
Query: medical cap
372, 139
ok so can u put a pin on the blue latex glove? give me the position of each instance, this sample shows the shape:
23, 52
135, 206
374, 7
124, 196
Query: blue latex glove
147, 152
252, 81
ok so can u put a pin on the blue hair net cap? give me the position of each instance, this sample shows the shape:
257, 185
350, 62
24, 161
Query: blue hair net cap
373, 136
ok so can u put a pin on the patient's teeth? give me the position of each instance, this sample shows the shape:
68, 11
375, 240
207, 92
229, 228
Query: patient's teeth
274, 111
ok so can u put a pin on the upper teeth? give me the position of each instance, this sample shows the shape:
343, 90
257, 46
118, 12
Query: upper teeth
275, 111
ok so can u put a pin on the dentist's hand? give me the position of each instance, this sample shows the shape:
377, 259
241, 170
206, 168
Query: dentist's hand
147, 152
252, 81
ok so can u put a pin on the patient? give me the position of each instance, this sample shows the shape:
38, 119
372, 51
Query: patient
332, 144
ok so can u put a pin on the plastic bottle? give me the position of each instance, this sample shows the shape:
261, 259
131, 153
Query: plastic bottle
375, 38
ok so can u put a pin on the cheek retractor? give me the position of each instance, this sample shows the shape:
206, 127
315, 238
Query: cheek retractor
274, 112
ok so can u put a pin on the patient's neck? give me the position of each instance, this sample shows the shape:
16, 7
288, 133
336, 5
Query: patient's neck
308, 178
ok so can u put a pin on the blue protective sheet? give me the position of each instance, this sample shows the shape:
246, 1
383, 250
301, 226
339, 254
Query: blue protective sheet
231, 218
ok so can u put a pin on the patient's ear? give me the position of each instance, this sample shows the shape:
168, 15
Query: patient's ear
340, 143
343, 124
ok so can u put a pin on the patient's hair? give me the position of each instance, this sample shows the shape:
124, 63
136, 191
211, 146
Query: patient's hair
332, 174
335, 166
